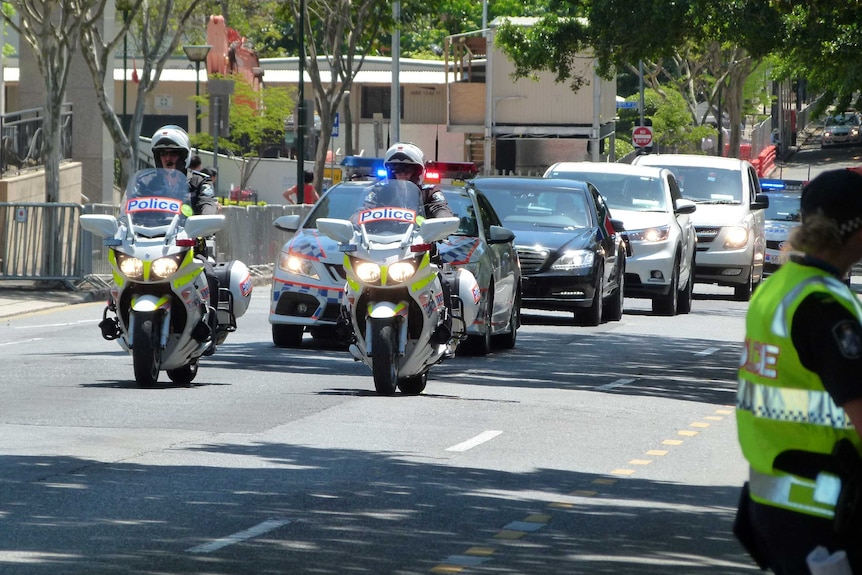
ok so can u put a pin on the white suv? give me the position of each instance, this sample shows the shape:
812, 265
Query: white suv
729, 220
658, 222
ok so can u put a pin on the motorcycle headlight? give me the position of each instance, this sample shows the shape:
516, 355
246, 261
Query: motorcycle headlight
736, 237
132, 268
166, 266
297, 265
574, 260
368, 272
650, 235
401, 271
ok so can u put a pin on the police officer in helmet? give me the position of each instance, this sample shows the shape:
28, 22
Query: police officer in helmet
172, 151
799, 402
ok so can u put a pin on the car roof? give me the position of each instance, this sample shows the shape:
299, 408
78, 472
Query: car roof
529, 181
607, 168
693, 160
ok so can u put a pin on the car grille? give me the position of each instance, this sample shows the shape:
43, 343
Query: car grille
706, 235
336, 272
532, 259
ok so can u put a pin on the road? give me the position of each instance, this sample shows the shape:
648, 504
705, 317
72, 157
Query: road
583, 451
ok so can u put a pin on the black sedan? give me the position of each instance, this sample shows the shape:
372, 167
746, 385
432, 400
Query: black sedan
572, 254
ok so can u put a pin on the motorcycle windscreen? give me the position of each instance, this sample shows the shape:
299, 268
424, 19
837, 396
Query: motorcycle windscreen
390, 209
155, 197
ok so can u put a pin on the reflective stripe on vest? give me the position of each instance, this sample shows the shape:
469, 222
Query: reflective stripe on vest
789, 492
781, 321
791, 405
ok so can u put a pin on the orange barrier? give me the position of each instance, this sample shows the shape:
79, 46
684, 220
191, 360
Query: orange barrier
765, 161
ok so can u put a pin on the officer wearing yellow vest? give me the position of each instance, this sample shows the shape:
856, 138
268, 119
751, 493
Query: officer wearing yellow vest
799, 402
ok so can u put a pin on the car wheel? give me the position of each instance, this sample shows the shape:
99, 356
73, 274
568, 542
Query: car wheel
743, 292
687, 293
507, 340
593, 314
613, 311
287, 335
481, 344
667, 304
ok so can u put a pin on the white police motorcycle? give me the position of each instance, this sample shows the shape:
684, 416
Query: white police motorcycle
394, 298
163, 312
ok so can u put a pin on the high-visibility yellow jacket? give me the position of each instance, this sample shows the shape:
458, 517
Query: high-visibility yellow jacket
781, 405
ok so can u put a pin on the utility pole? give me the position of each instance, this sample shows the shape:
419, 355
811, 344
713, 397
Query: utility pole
300, 111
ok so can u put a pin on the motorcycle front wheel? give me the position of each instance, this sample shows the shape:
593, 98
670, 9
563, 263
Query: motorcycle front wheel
384, 346
145, 350
185, 374
413, 385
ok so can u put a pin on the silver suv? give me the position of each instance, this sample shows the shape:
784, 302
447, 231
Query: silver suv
729, 220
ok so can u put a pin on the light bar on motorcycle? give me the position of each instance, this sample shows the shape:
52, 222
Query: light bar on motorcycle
436, 171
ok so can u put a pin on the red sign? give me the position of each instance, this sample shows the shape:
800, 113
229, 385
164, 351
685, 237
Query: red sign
642, 136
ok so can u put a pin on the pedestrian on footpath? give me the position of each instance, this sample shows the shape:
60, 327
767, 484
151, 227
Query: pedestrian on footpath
799, 402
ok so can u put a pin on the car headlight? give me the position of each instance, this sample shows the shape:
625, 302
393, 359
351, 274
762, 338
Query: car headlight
166, 266
649, 235
368, 272
132, 268
574, 260
297, 265
401, 271
736, 237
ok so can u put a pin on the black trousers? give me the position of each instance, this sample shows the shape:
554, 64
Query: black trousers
786, 538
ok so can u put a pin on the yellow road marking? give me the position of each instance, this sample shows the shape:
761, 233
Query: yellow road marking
508, 534
604, 481
538, 518
672, 442
658, 452
640, 462
483, 551
623, 471
699, 424
447, 569
584, 493
687, 432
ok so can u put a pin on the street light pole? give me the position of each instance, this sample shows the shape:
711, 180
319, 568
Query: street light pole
197, 54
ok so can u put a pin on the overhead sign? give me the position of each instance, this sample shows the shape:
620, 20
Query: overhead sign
642, 136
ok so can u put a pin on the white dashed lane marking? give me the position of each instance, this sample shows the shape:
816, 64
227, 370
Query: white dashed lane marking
250, 533
478, 440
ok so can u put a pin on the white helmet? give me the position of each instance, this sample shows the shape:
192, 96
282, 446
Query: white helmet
172, 137
403, 155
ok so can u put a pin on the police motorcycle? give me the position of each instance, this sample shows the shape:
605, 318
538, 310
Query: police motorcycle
163, 312
394, 298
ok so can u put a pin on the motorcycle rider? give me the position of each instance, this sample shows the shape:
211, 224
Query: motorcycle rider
405, 161
172, 151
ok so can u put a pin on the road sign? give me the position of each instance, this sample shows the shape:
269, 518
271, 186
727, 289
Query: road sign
627, 105
335, 125
642, 136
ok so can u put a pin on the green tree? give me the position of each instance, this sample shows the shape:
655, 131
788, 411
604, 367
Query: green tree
256, 122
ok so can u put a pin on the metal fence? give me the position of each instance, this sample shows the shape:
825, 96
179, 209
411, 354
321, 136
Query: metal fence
44, 241
23, 139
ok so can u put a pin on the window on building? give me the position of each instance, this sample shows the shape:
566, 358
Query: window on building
378, 100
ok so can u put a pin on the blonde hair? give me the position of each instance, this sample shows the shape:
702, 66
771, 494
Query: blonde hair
817, 234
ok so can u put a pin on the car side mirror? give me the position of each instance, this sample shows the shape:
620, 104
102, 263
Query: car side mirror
289, 223
434, 229
761, 202
684, 206
500, 235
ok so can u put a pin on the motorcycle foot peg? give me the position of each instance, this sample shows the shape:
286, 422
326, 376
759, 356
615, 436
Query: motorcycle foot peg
354, 351
110, 328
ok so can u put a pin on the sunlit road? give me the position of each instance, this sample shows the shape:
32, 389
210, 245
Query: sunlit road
584, 450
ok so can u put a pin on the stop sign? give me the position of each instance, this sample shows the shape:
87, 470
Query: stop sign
642, 136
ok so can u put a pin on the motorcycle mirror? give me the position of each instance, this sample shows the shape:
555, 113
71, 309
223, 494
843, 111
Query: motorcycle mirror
434, 229
339, 230
199, 226
101, 225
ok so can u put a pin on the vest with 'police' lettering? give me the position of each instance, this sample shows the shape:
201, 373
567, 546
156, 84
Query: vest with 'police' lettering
781, 405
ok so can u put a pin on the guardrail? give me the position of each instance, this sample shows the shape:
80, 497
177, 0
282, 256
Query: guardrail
44, 241
22, 137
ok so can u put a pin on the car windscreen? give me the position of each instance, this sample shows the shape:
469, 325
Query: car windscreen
625, 191
339, 202
783, 208
706, 185
525, 208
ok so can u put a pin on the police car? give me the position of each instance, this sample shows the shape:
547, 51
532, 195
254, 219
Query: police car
781, 217
308, 278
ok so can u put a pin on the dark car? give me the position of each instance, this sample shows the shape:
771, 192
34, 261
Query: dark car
572, 254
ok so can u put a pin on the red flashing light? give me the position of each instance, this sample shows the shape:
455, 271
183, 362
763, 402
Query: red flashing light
436, 171
187, 243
